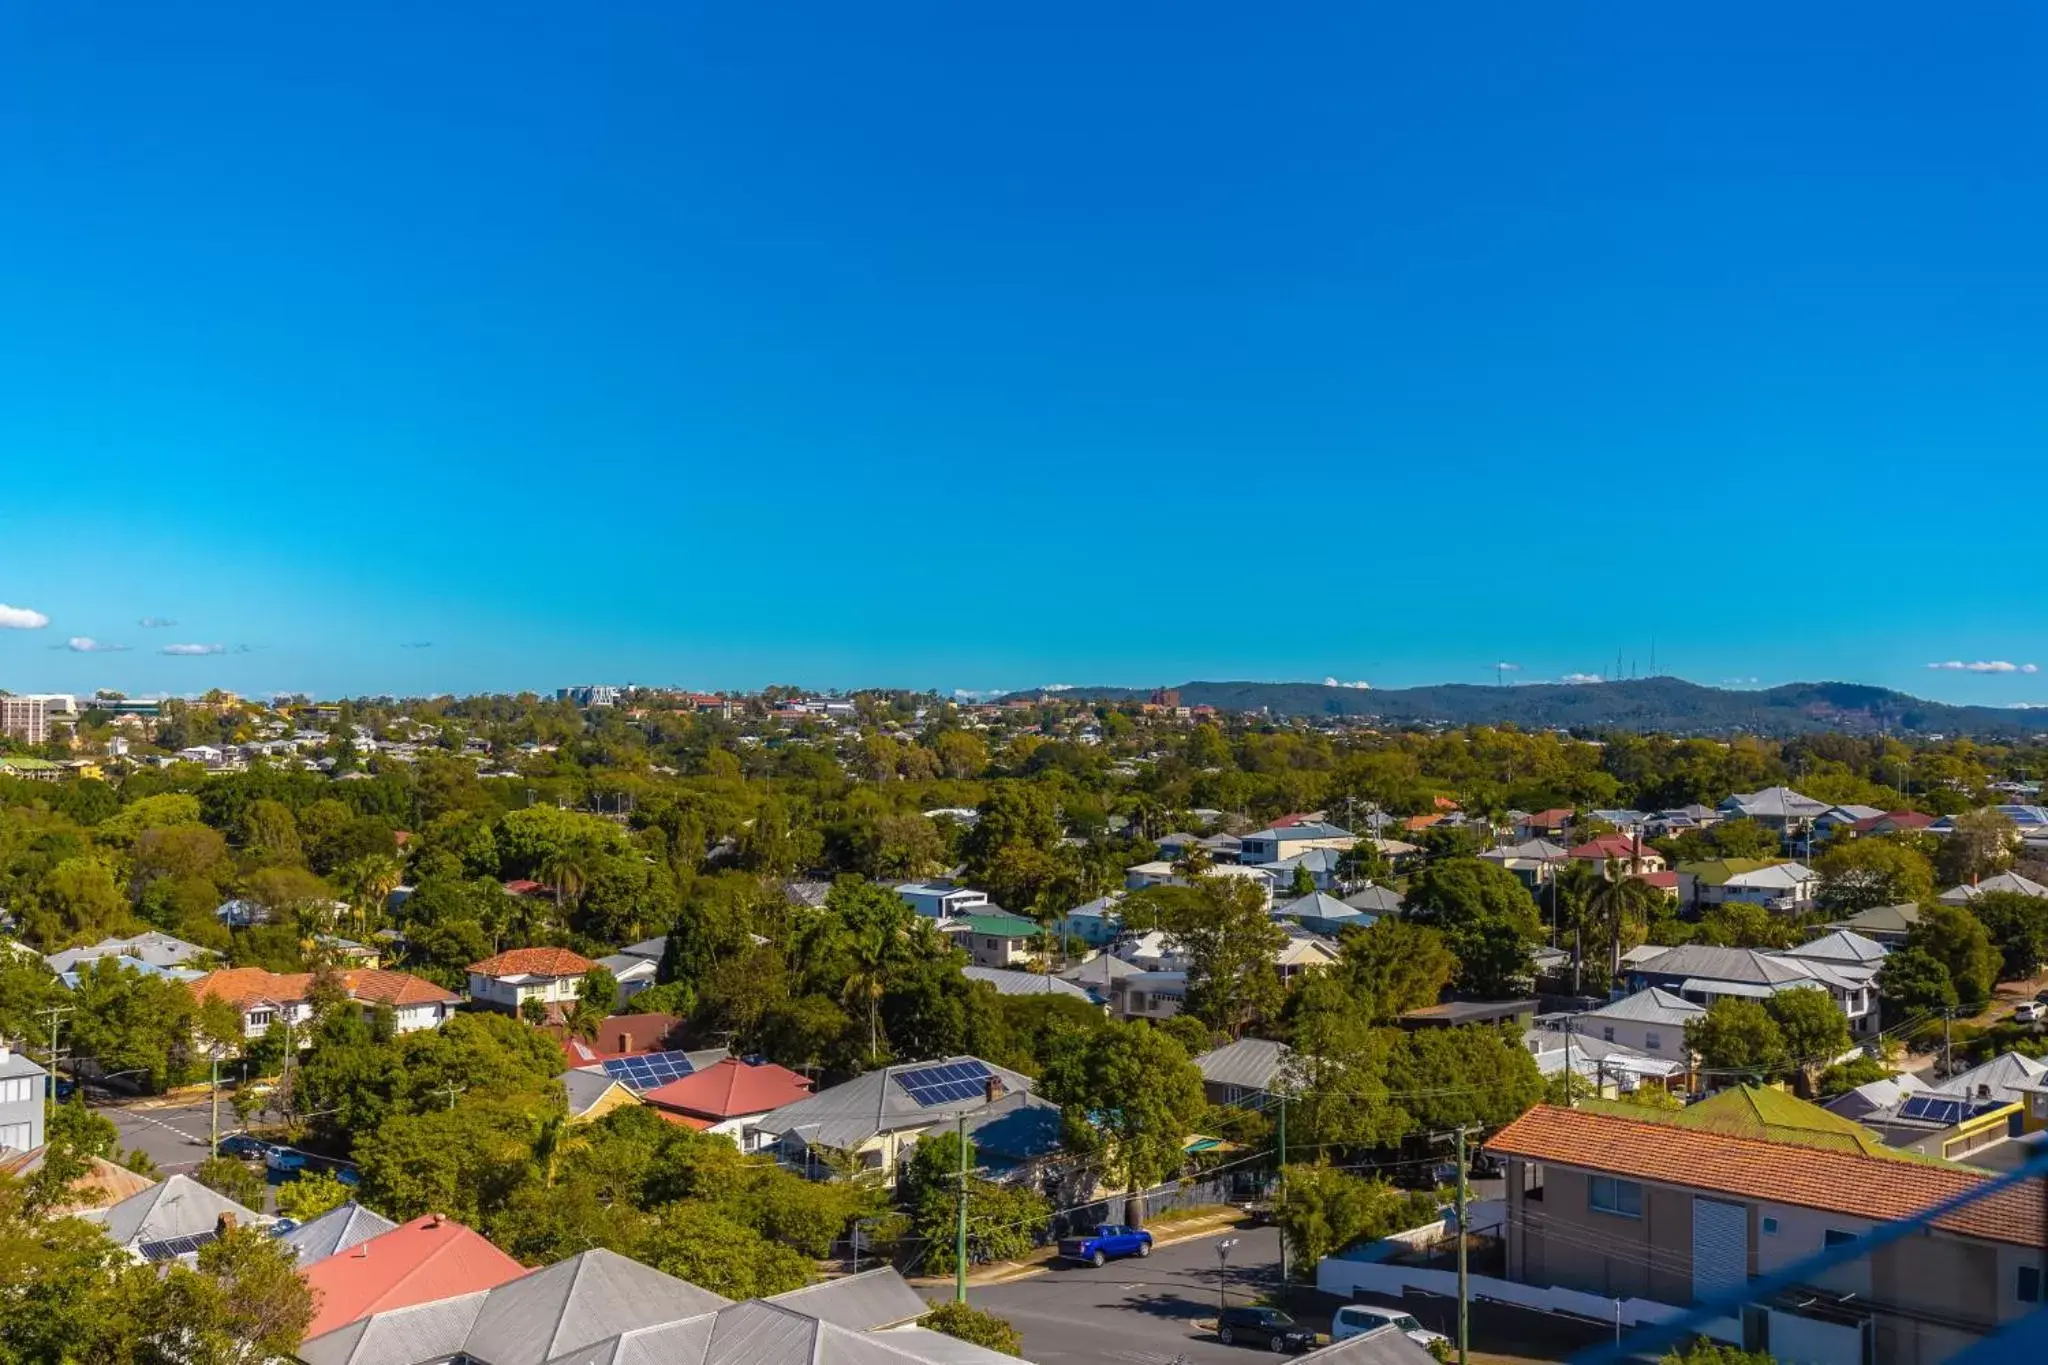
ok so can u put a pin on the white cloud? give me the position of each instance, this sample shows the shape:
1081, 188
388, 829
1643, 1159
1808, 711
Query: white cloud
1984, 666
21, 618
85, 644
193, 649
1361, 685
1057, 687
1582, 678
978, 694
1509, 668
1739, 682
155, 623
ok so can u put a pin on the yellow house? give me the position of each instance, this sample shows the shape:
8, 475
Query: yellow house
592, 1094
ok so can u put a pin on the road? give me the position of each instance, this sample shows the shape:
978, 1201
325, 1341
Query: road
174, 1135
1138, 1312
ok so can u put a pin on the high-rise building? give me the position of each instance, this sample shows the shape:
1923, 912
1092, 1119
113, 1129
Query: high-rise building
25, 718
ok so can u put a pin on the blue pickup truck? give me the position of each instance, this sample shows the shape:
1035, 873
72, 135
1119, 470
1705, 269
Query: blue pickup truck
1106, 1243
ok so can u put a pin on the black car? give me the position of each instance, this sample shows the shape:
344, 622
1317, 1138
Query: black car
1268, 1329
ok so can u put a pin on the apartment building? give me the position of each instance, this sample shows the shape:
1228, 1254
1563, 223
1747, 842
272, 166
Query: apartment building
25, 718
1633, 1209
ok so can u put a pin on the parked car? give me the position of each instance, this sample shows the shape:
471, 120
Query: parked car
284, 1161
2033, 1012
1106, 1243
1265, 1328
243, 1146
1356, 1319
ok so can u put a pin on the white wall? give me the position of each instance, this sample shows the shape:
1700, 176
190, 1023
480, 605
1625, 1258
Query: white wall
1801, 1235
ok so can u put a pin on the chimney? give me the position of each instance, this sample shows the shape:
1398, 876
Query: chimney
224, 1224
994, 1089
435, 1220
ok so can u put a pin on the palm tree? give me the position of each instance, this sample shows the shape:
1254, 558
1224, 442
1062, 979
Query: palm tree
567, 870
370, 880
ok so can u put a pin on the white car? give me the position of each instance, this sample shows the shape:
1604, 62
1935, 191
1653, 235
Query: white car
1356, 1319
2033, 1012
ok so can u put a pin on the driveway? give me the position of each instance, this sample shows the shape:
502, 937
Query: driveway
1139, 1312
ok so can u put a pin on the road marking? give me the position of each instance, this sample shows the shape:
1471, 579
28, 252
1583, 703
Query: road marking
168, 1127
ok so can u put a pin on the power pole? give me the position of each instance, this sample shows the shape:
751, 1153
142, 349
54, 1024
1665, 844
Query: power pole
55, 1014
1283, 1186
213, 1107
960, 1224
1568, 1022
1464, 1291
1948, 1056
451, 1090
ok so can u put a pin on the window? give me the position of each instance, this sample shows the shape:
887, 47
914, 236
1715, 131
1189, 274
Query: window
1622, 1198
261, 1018
2030, 1284
1607, 1034
1835, 1237
1770, 1227
1653, 1042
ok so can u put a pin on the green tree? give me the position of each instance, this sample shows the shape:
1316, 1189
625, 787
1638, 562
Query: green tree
1843, 1077
1813, 1029
1979, 844
1959, 941
1230, 941
1327, 1210
1868, 872
1449, 1077
976, 1326
1304, 881
1004, 1222
1743, 924
1703, 1351
1336, 1068
1737, 1035
1912, 984
311, 1195
235, 1179
2018, 925
694, 1242
1130, 1094
1487, 920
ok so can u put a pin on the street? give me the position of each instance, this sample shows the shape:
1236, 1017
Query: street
1142, 1312
174, 1134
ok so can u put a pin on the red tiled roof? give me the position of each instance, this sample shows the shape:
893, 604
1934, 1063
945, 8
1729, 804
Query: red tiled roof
375, 987
729, 1088
1663, 881
689, 1121
1896, 819
1420, 822
534, 962
1814, 1178
622, 1035
246, 986
1557, 815
1613, 846
429, 1258
523, 886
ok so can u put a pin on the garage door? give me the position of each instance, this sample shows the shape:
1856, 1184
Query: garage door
1720, 1247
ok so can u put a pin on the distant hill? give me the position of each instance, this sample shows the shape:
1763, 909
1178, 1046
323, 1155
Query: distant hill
1670, 705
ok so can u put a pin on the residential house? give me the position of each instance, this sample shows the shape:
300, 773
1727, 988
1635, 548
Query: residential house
1837, 819
1957, 1117
1304, 951
1155, 950
170, 1220
264, 997
1097, 922
151, 952
1601, 1069
344, 1226
1890, 925
1164, 874
2010, 882
1781, 808
100, 1185
1321, 864
1246, 1072
943, 900
1704, 974
1460, 1013
878, 1116
1534, 861
730, 1098
1004, 981
1651, 1021
996, 940
621, 1035
1613, 855
1282, 842
1545, 825
1099, 975
1323, 914
427, 1259
1680, 819
1842, 948
22, 1084
1631, 1208
1149, 995
592, 1092
1855, 1105
1375, 900
601, 1308
632, 972
507, 981
1786, 887
1892, 822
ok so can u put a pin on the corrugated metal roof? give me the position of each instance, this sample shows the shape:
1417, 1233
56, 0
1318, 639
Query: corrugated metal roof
179, 1207
592, 1295
847, 1115
1387, 1345
338, 1229
402, 1336
866, 1302
1249, 1063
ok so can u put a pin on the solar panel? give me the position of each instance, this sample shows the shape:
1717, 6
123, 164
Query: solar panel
946, 1083
1934, 1109
171, 1247
648, 1071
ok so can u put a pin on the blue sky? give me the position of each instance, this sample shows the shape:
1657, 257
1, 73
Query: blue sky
979, 346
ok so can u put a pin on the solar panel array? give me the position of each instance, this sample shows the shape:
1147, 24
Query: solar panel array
171, 1247
946, 1083
648, 1071
1935, 1109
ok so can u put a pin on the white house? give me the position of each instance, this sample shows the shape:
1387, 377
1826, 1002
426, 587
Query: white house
938, 901
1651, 1021
1287, 841
264, 998
507, 981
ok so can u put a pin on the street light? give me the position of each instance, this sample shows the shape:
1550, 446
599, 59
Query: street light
1223, 1273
